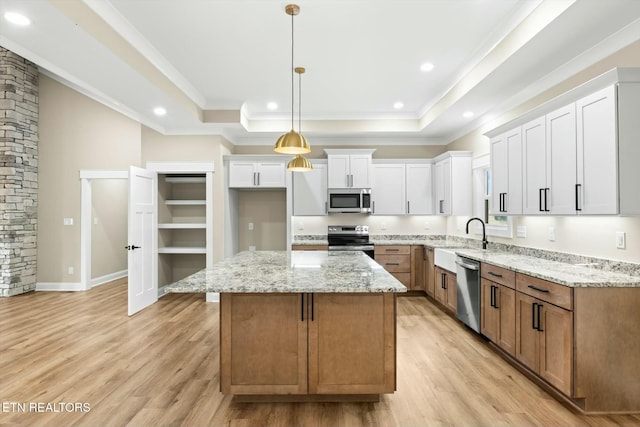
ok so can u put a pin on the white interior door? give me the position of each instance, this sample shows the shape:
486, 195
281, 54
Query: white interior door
143, 196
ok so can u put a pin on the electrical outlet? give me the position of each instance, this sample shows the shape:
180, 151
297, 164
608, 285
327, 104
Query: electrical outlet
426, 225
95, 221
621, 240
70, 270
250, 226
383, 226
552, 234
521, 231
300, 226
252, 248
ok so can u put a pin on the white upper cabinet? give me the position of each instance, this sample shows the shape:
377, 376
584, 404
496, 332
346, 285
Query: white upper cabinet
388, 193
559, 192
453, 183
580, 157
534, 163
419, 188
597, 166
349, 168
257, 174
402, 187
506, 173
310, 191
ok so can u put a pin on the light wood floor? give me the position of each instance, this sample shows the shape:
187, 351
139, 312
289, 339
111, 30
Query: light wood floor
160, 368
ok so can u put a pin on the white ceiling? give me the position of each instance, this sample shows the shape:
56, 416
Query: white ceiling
195, 57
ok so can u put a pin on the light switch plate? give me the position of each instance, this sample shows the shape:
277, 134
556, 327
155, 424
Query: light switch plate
67, 221
250, 226
621, 240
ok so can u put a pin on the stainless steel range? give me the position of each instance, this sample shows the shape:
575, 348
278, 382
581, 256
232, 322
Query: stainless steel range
350, 238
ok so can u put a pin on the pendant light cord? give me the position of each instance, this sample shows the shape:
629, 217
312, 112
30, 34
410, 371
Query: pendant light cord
292, 84
300, 103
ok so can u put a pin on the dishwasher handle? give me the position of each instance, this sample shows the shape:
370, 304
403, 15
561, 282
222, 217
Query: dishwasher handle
468, 266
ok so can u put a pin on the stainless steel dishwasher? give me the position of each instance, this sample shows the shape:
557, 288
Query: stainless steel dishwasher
468, 281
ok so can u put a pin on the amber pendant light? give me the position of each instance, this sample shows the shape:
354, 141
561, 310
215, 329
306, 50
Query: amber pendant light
292, 142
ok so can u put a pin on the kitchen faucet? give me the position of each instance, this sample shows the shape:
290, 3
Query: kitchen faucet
484, 233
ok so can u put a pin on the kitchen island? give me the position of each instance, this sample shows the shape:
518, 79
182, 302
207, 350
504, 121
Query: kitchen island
303, 326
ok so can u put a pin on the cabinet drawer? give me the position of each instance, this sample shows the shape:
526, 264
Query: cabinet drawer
498, 275
309, 247
550, 292
395, 263
405, 278
392, 249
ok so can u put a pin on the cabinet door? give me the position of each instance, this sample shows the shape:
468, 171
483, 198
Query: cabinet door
561, 160
263, 344
338, 171
440, 292
527, 342
597, 153
556, 343
534, 158
388, 192
443, 187
242, 174
488, 314
271, 174
499, 174
452, 292
513, 199
361, 170
352, 344
418, 268
430, 274
419, 189
506, 302
310, 191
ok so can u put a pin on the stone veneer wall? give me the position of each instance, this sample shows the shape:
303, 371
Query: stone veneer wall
18, 173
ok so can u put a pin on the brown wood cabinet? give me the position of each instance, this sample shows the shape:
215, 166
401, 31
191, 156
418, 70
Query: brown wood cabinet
544, 337
418, 268
430, 273
309, 247
396, 259
275, 344
445, 288
498, 306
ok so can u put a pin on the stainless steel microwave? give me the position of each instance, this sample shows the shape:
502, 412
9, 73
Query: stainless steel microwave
346, 200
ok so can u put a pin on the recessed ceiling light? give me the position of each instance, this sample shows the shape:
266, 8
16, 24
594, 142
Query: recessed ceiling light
398, 105
427, 66
467, 114
272, 106
17, 19
159, 111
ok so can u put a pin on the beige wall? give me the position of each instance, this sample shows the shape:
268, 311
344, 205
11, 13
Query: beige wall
190, 148
591, 236
75, 133
109, 226
267, 211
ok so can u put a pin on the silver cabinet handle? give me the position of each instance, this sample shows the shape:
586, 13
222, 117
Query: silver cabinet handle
408, 207
254, 178
326, 207
258, 179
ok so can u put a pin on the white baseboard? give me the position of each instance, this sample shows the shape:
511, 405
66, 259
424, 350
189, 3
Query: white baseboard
213, 297
108, 278
59, 286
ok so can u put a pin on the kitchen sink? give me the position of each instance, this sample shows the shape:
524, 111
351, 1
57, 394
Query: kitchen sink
445, 258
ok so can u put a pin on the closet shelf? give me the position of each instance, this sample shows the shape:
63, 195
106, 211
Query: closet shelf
182, 250
182, 226
185, 202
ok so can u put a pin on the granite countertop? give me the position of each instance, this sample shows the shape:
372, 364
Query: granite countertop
292, 271
385, 239
554, 271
